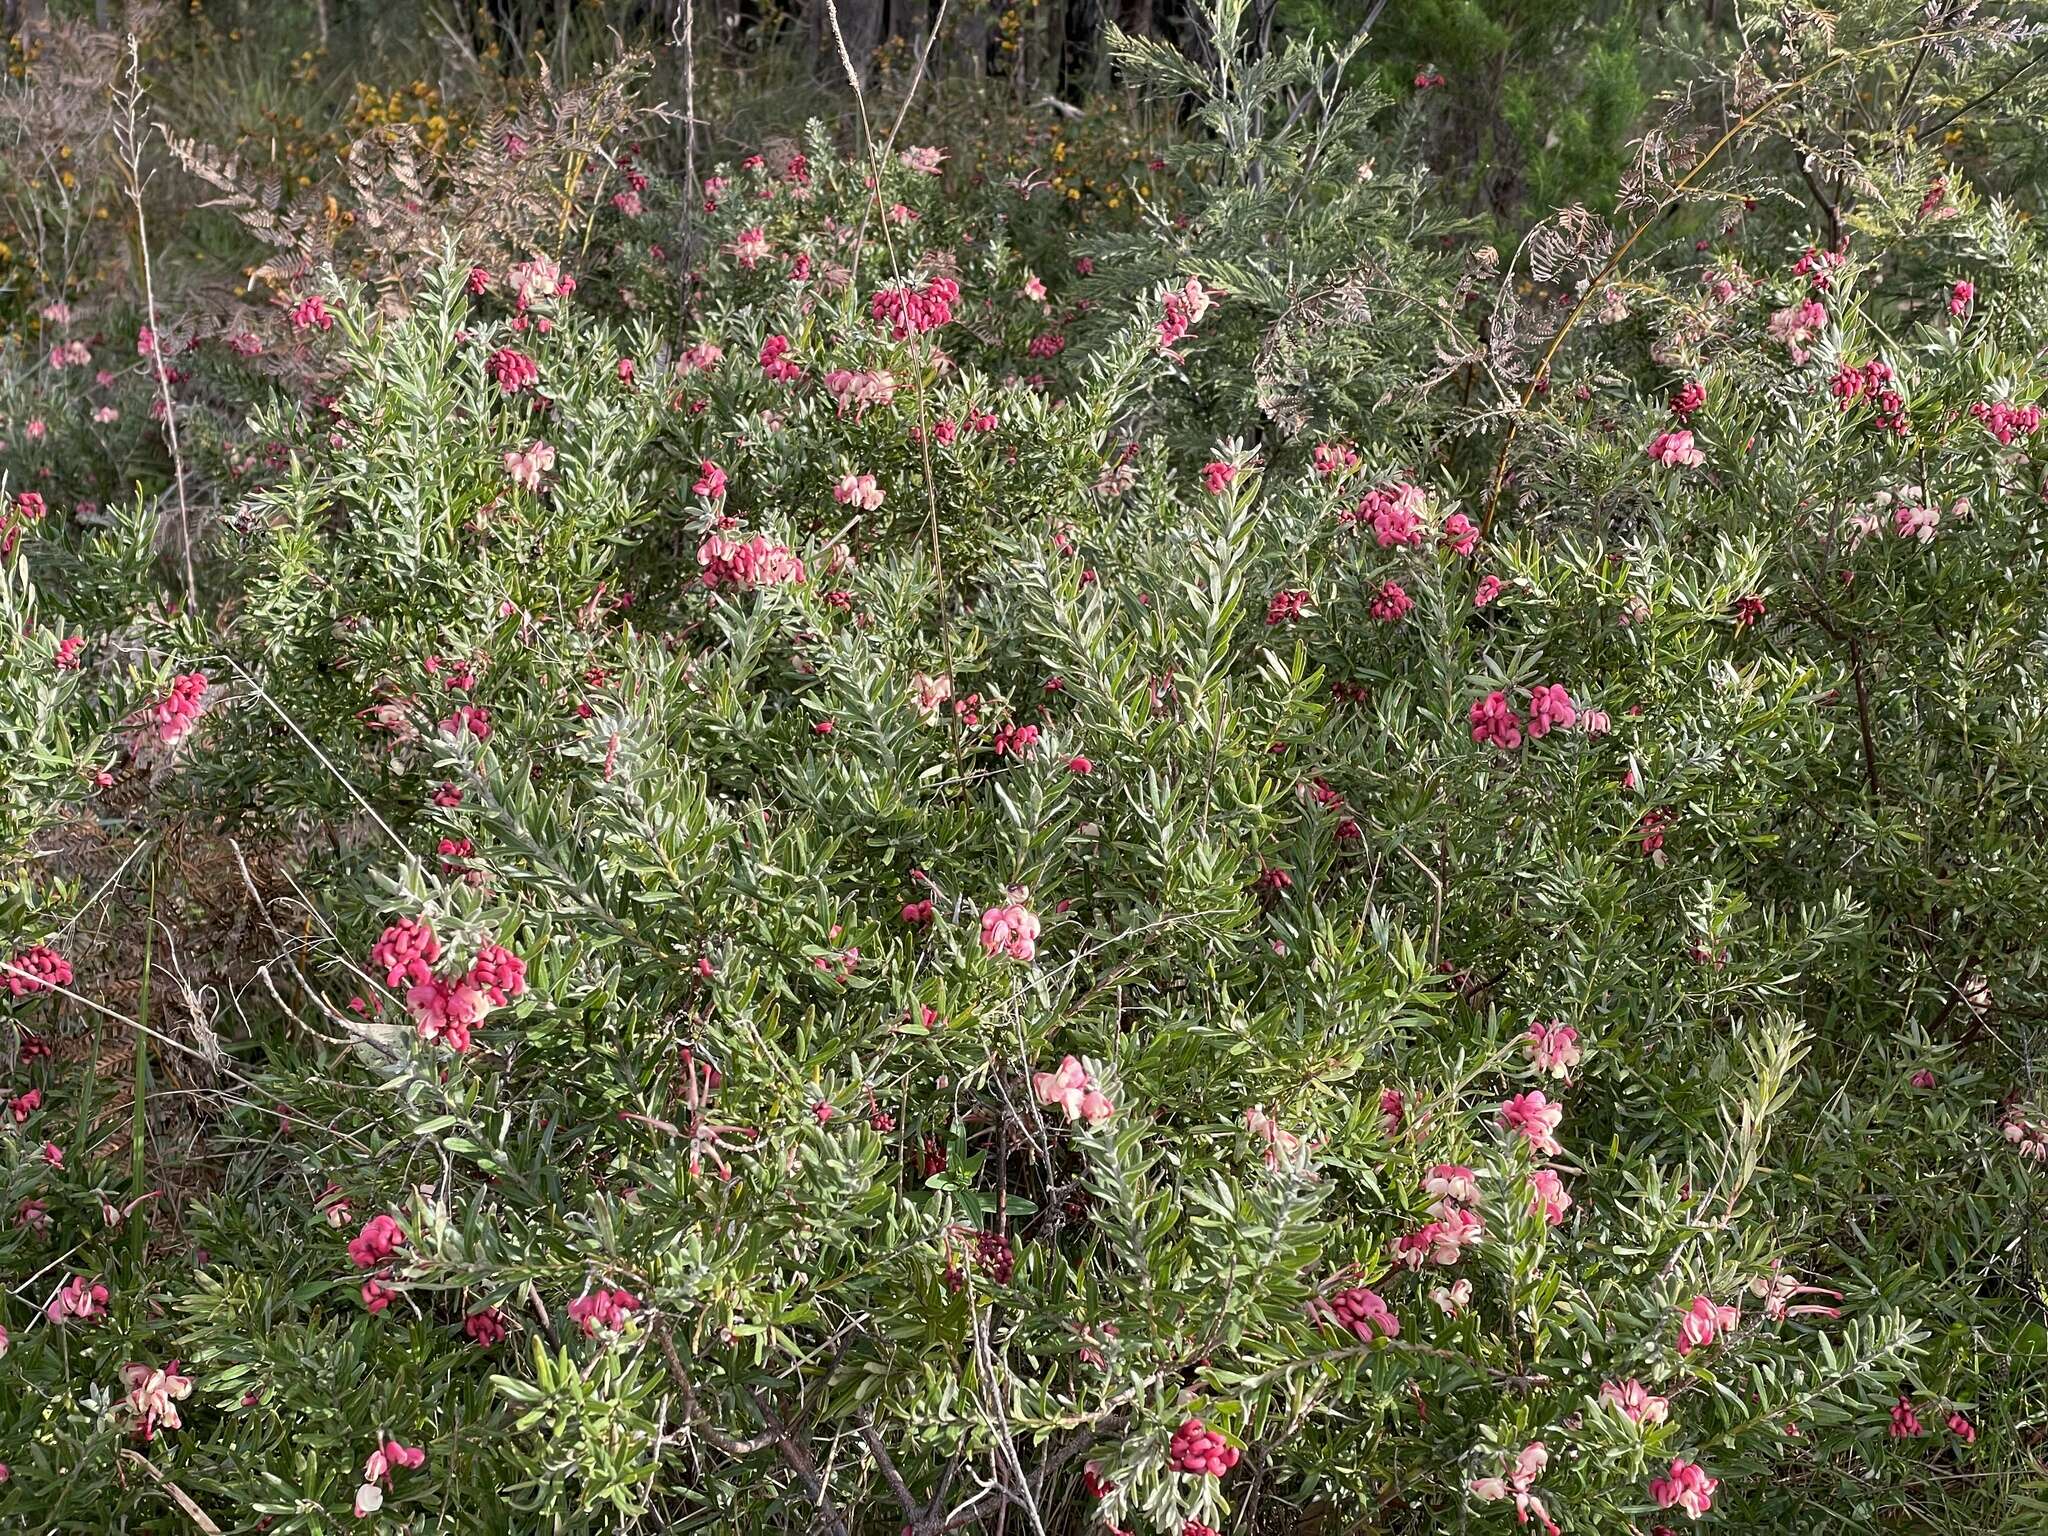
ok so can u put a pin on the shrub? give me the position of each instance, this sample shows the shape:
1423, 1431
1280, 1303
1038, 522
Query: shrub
1279, 914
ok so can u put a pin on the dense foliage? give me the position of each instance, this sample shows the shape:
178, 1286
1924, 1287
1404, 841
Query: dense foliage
847, 848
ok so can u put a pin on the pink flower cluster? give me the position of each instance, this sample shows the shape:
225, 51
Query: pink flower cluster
1391, 603
80, 1298
1365, 1313
746, 566
1686, 1487
36, 969
1494, 721
377, 1474
603, 1309
1200, 1452
1519, 1483
311, 313
1536, 1118
154, 1392
2005, 421
1675, 449
1703, 1322
1550, 708
1182, 312
860, 390
1396, 513
1552, 1048
512, 370
913, 311
1286, 608
1797, 325
526, 465
1455, 1227
859, 491
1873, 383
1074, 1089
1010, 930
776, 362
173, 716
1635, 1402
1333, 459
445, 1008
28, 508
378, 1240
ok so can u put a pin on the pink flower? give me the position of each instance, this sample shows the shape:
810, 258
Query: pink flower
1391, 604
2006, 421
1549, 708
1689, 397
379, 1239
1797, 325
485, 1329
1461, 534
603, 1309
858, 491
154, 1393
1015, 740
1074, 1089
1182, 311
1009, 930
1536, 1118
1962, 1428
406, 952
908, 312
1674, 449
750, 247
1216, 477
447, 1010
311, 312
1548, 1198
1452, 1299
1494, 721
1552, 1047
1634, 1402
1364, 1313
756, 563
1442, 1242
1333, 459
924, 159
1688, 1487
1520, 1482
526, 465
1452, 1181
1959, 297
1702, 1322
78, 1297
1282, 1146
1905, 1423
1913, 520
36, 969
1396, 513
1487, 590
710, 483
377, 1474
1200, 1453
172, 717
1923, 1079
1286, 607
512, 370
